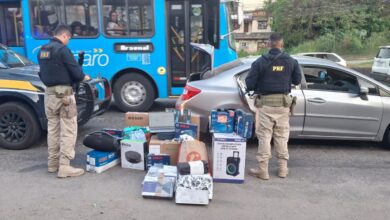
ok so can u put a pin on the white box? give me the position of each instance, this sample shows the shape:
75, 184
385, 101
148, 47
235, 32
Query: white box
191, 196
101, 169
229, 152
133, 154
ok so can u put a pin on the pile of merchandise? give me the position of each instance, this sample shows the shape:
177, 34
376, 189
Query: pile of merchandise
167, 146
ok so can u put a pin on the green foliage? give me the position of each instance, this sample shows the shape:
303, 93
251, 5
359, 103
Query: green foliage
334, 25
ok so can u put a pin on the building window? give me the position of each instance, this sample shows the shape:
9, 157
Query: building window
262, 25
244, 45
261, 45
246, 27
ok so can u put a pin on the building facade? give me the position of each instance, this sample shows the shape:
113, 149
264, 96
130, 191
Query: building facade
255, 30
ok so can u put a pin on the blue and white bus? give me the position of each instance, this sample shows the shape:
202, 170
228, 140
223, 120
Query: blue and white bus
142, 46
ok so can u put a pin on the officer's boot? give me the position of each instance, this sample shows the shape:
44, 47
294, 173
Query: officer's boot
261, 172
283, 170
66, 170
52, 165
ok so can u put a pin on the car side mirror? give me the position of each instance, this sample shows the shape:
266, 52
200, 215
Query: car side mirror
363, 93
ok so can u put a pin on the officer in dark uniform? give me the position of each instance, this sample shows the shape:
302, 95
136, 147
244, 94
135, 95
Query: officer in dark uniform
270, 78
59, 71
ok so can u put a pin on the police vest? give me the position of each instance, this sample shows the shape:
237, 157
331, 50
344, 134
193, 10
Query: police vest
52, 70
276, 77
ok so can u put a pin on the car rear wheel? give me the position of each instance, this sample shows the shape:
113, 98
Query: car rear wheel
19, 128
386, 139
134, 92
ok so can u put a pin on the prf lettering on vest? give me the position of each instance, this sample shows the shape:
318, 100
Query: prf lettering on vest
277, 68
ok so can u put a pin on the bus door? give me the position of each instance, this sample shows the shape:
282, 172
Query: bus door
195, 21
11, 26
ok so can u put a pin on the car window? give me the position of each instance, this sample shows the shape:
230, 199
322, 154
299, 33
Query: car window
332, 58
383, 53
222, 68
12, 59
320, 78
372, 88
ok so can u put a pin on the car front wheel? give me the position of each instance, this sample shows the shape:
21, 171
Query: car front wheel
19, 128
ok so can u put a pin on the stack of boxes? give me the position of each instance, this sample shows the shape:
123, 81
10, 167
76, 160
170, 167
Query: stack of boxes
141, 150
230, 132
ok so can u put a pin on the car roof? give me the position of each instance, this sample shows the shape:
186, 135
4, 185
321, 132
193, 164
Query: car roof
305, 60
384, 47
315, 53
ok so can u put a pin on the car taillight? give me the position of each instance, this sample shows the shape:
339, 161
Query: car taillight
189, 92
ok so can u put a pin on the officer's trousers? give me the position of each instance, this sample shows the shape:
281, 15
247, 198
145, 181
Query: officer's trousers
272, 123
62, 128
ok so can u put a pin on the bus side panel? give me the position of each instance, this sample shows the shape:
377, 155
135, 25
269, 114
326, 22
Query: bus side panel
100, 59
225, 54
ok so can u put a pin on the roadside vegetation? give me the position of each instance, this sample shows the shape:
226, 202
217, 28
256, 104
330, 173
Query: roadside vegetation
352, 28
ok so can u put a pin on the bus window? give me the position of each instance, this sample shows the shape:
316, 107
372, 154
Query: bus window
81, 16
116, 18
13, 27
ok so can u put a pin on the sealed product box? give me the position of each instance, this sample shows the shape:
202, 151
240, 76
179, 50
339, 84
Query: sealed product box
243, 123
222, 121
154, 159
194, 189
186, 128
137, 119
229, 151
100, 158
133, 154
101, 169
171, 148
159, 182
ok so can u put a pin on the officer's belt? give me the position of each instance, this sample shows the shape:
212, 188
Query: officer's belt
274, 100
59, 90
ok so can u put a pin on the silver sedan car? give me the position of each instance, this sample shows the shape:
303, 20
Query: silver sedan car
333, 102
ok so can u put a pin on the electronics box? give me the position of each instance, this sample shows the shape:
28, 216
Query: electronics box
133, 154
186, 128
161, 159
222, 121
101, 169
137, 119
228, 156
171, 148
243, 124
100, 158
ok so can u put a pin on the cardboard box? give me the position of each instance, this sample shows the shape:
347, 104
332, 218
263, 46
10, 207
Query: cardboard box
195, 120
229, 151
171, 148
100, 158
222, 121
159, 182
191, 196
133, 154
158, 187
193, 151
193, 185
161, 159
101, 169
244, 124
186, 128
137, 119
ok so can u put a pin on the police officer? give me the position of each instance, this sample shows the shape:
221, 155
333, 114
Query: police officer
59, 71
270, 78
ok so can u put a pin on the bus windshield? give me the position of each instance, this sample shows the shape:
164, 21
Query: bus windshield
10, 59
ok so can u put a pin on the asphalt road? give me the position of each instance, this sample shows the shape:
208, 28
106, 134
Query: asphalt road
328, 180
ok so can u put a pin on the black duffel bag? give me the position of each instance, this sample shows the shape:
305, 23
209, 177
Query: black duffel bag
102, 141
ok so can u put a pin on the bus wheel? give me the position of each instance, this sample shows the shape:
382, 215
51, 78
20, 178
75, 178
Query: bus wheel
133, 92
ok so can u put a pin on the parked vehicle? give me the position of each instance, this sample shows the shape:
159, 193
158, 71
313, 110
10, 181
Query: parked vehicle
22, 112
334, 102
328, 56
382, 61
